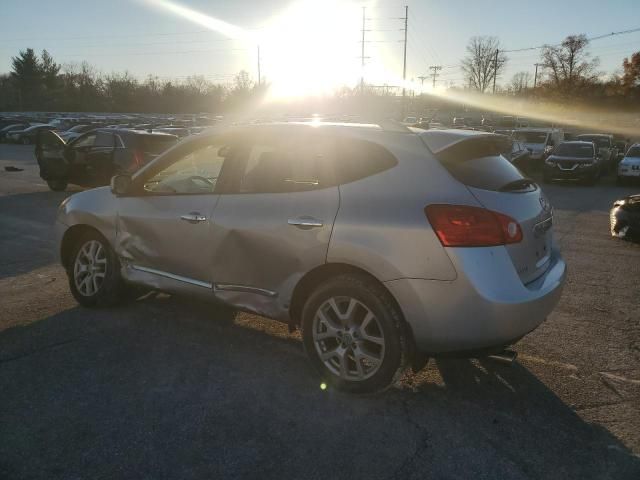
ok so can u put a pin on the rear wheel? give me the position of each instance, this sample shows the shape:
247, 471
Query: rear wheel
354, 335
94, 272
57, 185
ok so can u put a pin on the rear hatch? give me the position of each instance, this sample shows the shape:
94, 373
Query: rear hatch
474, 159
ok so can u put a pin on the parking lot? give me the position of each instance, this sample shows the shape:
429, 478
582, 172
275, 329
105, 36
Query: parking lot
173, 388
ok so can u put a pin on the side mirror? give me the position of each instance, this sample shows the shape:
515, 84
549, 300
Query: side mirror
120, 184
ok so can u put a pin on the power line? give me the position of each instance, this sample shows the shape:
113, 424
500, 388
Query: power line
598, 37
434, 73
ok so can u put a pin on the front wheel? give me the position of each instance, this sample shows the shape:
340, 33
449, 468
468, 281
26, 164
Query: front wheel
94, 272
354, 334
57, 185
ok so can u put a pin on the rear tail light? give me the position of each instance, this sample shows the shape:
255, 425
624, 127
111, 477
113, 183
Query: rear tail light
138, 159
467, 226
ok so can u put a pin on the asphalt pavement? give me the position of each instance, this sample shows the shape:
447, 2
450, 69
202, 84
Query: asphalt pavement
171, 388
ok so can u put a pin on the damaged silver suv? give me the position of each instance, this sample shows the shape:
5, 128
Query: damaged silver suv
382, 245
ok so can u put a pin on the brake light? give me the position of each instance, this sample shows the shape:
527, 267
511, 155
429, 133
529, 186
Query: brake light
467, 226
138, 159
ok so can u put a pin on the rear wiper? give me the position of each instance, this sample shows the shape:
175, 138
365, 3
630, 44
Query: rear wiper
520, 184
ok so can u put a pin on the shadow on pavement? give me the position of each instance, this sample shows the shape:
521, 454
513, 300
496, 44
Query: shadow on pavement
26, 234
170, 388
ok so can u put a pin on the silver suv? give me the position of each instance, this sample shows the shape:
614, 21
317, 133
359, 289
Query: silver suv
382, 245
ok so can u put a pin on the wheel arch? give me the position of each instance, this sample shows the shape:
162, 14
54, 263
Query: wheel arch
313, 278
70, 237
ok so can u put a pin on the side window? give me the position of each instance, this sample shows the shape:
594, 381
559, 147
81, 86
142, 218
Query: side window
104, 139
194, 173
290, 164
85, 141
357, 159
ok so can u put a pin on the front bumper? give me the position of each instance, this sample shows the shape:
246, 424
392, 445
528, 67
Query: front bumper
574, 174
629, 171
486, 306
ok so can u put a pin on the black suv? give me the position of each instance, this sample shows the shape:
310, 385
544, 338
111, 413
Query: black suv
576, 160
94, 157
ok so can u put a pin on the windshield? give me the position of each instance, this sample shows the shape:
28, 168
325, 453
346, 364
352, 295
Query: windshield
531, 137
574, 150
601, 142
633, 152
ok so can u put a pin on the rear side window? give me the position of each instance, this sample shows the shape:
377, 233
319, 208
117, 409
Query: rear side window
104, 139
357, 159
155, 144
478, 163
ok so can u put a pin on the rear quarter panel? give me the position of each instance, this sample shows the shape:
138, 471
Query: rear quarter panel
381, 226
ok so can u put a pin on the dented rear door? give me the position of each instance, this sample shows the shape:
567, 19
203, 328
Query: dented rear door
275, 224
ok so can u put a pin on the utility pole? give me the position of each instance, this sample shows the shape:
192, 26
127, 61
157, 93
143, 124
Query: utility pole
404, 62
364, 19
495, 70
259, 79
435, 73
422, 79
535, 77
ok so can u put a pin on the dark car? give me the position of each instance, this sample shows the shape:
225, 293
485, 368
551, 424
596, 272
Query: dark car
573, 161
94, 157
4, 131
28, 135
625, 218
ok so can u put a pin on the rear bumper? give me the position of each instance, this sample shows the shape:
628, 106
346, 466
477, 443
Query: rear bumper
486, 306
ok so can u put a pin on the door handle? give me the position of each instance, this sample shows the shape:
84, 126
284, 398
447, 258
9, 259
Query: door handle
193, 217
305, 223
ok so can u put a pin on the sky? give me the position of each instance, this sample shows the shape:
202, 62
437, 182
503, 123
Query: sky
305, 42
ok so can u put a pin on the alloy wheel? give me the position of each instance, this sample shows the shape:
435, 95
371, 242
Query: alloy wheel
90, 268
348, 338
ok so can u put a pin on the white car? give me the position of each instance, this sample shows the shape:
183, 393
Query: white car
629, 166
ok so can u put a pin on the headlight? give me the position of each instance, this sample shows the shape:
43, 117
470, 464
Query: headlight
548, 149
551, 163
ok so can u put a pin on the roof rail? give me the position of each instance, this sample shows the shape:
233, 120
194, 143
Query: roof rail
390, 125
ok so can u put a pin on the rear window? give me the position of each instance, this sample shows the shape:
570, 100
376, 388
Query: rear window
155, 144
531, 137
601, 142
478, 163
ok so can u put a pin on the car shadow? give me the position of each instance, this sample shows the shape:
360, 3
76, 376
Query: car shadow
26, 237
174, 388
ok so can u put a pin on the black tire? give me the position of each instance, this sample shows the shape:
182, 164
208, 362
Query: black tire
389, 325
57, 185
111, 288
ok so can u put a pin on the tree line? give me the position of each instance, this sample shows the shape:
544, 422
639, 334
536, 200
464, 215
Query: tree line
38, 83
567, 72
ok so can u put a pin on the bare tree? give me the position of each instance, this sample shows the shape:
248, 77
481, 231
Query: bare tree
569, 64
480, 65
520, 82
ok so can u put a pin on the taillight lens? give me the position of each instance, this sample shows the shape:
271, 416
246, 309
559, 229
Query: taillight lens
138, 160
467, 226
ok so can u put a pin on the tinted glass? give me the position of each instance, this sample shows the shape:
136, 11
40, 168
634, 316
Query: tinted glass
574, 150
531, 137
85, 141
155, 144
357, 159
479, 164
104, 139
278, 162
633, 152
601, 142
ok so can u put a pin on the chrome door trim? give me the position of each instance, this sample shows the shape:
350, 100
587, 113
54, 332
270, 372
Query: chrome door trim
244, 288
305, 222
172, 276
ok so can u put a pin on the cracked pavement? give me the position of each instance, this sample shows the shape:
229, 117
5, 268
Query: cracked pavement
173, 388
